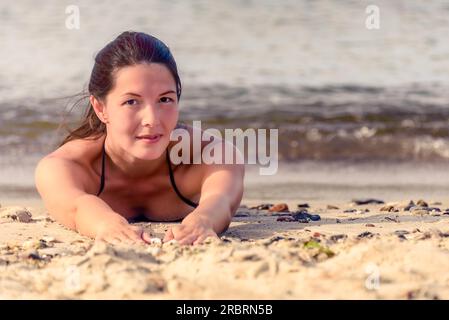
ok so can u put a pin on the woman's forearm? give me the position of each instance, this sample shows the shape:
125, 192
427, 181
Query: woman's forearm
217, 210
91, 213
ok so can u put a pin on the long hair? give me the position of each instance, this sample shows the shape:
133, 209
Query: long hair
129, 48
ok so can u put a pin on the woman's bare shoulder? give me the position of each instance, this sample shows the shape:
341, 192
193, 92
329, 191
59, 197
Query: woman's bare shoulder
74, 159
81, 151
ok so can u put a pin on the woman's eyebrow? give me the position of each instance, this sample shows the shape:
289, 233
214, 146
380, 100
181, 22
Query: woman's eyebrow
138, 95
131, 94
167, 92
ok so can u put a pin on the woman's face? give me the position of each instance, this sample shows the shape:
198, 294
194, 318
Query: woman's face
142, 102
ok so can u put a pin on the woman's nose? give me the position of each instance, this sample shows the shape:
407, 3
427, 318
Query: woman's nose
151, 115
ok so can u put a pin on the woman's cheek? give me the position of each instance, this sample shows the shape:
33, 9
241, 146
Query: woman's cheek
174, 115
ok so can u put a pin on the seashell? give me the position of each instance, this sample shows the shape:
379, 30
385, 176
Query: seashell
157, 241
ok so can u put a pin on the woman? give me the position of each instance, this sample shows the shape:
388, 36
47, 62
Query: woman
115, 168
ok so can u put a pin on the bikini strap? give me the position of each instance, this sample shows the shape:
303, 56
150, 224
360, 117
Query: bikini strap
102, 169
172, 180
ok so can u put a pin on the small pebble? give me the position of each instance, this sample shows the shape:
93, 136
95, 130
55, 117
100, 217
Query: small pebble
24, 216
263, 206
369, 225
303, 205
367, 201
389, 208
286, 219
303, 216
402, 237
422, 203
43, 219
409, 205
49, 239
392, 219
365, 234
16, 213
241, 214
280, 207
331, 207
338, 237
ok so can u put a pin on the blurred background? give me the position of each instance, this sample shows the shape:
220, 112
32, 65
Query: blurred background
360, 111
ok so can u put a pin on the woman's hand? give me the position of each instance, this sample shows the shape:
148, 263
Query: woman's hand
120, 231
194, 229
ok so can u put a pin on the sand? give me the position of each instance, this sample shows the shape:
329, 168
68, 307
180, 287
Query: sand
346, 255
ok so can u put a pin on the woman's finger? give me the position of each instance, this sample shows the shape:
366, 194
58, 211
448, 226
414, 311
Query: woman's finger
200, 239
187, 239
113, 240
127, 237
179, 232
135, 233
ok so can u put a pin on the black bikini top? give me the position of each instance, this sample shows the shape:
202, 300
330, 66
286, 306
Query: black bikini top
172, 178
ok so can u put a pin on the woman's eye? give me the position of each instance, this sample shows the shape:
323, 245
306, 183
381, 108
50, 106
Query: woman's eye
131, 102
166, 100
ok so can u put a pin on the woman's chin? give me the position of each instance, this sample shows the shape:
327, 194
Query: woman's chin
153, 152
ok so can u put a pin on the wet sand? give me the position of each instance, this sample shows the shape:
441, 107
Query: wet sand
357, 254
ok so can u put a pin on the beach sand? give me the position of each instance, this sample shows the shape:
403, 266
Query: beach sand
346, 255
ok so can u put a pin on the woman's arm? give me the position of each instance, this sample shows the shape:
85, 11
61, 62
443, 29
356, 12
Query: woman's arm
62, 186
221, 193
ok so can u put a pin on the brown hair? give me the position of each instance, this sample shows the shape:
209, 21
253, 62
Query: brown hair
129, 48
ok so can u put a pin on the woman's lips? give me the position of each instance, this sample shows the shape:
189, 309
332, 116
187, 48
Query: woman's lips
150, 139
